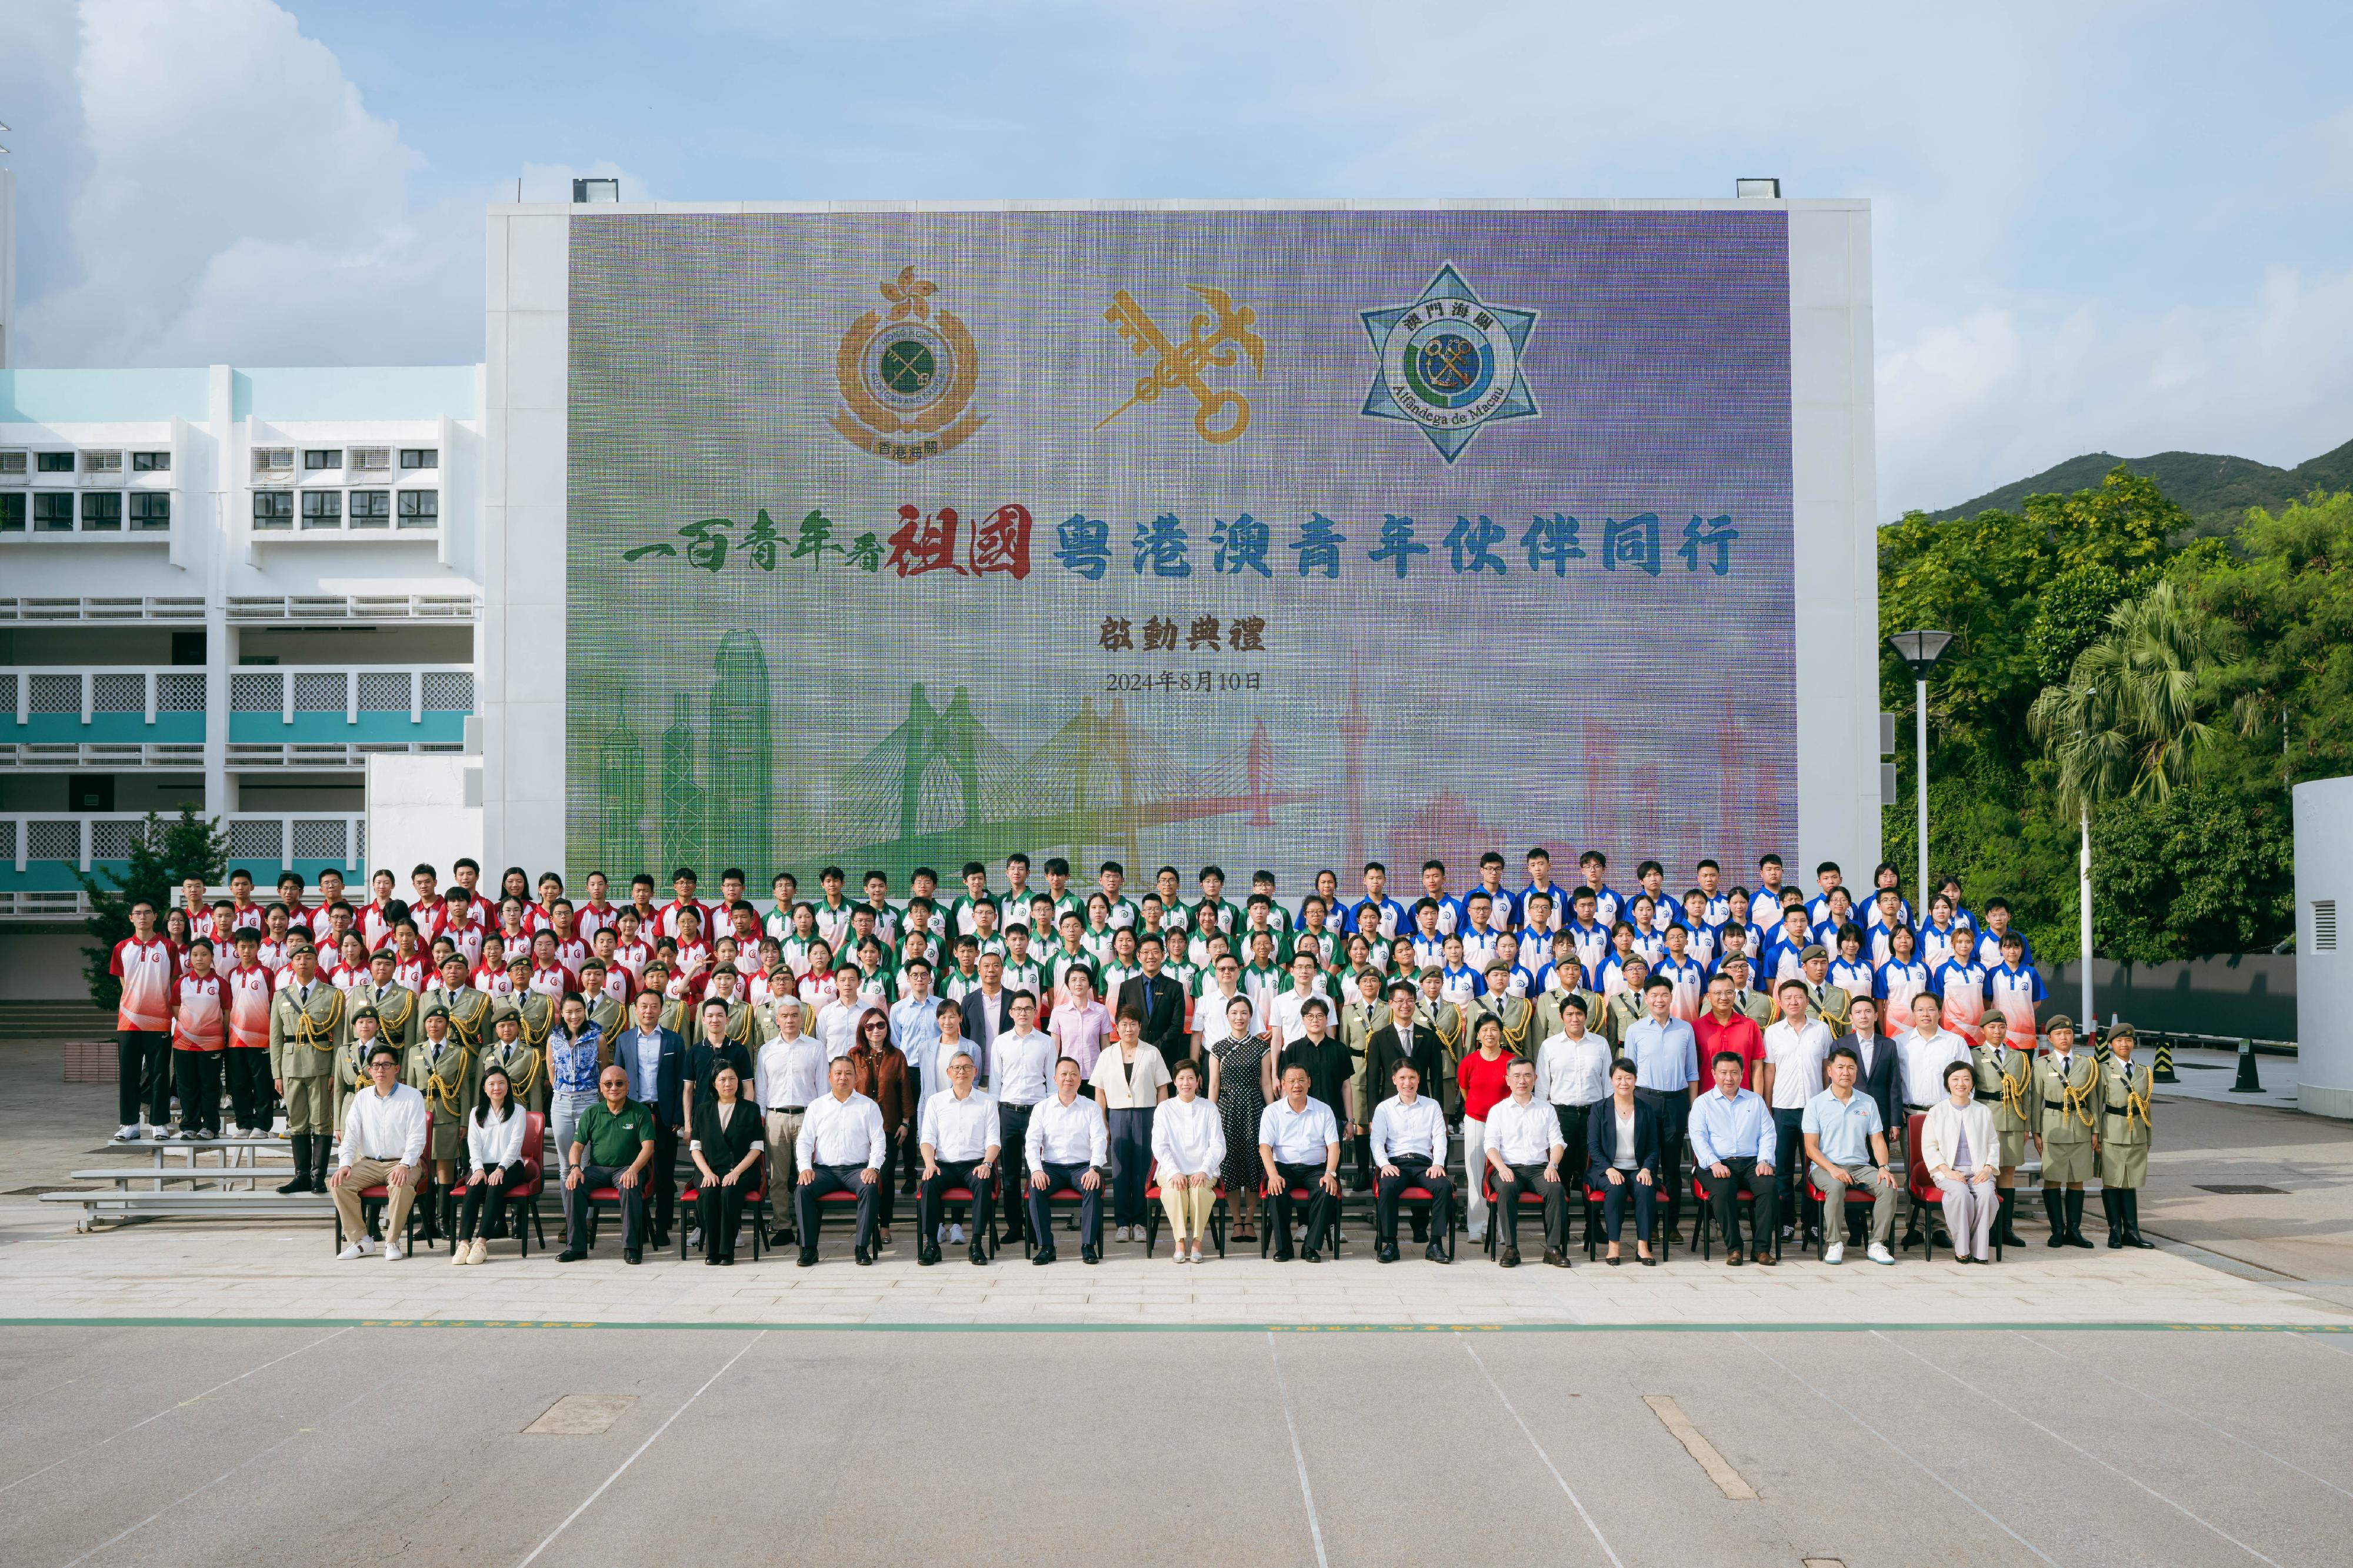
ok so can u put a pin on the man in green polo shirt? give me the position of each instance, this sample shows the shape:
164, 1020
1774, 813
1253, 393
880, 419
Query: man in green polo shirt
611, 1146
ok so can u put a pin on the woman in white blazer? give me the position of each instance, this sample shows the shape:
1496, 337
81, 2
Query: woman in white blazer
1961, 1151
1188, 1145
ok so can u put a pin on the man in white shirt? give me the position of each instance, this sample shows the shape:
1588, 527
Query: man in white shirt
1021, 1075
1525, 1150
1299, 1145
1285, 1015
788, 1075
383, 1139
1408, 1150
1926, 1052
957, 1133
1066, 1146
840, 1149
836, 1024
1795, 1047
1573, 1069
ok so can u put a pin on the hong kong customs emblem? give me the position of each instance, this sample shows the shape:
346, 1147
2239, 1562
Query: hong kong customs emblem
1450, 364
907, 376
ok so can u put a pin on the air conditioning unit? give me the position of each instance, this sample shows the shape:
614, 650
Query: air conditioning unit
367, 462
273, 464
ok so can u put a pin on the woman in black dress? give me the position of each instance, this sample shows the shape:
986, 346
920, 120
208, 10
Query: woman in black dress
727, 1148
1242, 1083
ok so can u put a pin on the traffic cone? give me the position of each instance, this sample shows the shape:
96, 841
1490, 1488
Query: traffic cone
2249, 1083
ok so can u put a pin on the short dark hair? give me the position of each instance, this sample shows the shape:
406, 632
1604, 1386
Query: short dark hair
1735, 1057
384, 1049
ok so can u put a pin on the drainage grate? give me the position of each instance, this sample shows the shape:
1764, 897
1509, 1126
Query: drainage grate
2241, 1189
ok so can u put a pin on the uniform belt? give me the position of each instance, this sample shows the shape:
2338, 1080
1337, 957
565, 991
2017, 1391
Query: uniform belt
786, 1109
1988, 1094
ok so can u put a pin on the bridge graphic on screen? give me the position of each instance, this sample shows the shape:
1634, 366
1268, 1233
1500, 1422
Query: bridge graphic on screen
938, 788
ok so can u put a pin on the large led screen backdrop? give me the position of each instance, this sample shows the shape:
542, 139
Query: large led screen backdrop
1278, 539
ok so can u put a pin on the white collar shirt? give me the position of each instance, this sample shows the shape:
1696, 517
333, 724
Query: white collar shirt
1523, 1134
385, 1126
1188, 1138
1402, 1129
1797, 1057
961, 1130
1298, 1137
1926, 1056
1021, 1067
1574, 1071
789, 1073
837, 1133
1070, 1134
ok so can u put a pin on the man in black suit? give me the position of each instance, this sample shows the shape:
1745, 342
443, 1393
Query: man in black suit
988, 1008
1401, 1040
1161, 999
655, 1059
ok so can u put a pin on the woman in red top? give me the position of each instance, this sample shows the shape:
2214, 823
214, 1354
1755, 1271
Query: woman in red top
1482, 1077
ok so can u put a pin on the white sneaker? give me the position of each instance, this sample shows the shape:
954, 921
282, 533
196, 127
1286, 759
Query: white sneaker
479, 1252
1119, 1232
359, 1248
1834, 1253
1877, 1252
956, 1235
126, 1132
278, 1127
391, 1252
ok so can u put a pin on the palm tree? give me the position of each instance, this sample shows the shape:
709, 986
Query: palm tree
2131, 722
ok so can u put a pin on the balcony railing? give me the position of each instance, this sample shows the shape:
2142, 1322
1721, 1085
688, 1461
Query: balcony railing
101, 715
68, 610
40, 852
305, 716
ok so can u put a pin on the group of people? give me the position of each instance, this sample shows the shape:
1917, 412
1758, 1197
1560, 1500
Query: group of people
1012, 1047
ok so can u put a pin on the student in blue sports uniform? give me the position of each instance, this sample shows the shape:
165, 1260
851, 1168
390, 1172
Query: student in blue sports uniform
1588, 932
1539, 865
1594, 866
1850, 971
1997, 927
1841, 914
1900, 978
1649, 940
1887, 876
1501, 907
1826, 876
1940, 939
1433, 892
1785, 948
1650, 882
1389, 917
1886, 916
2015, 986
1428, 939
1768, 882
1539, 923
1717, 904
1480, 930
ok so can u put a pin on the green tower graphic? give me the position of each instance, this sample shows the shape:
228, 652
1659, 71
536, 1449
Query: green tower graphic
620, 791
683, 799
742, 810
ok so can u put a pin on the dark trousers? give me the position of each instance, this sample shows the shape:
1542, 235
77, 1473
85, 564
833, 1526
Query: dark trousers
1131, 1162
248, 1085
827, 1178
886, 1201
1530, 1179
1673, 1107
1614, 1200
1041, 1222
198, 1076
1572, 1129
486, 1194
928, 1205
1413, 1171
1279, 1207
142, 1075
661, 1179
1723, 1197
1789, 1156
1012, 1141
720, 1211
576, 1207
911, 1159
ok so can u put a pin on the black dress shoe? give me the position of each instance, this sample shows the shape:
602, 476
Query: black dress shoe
728, 1261
1087, 1255
782, 1237
1042, 1257
633, 1255
863, 1258
927, 1255
979, 1255
807, 1260
710, 1260
1386, 1253
1509, 1257
1553, 1255
1312, 1255
1437, 1254
570, 1255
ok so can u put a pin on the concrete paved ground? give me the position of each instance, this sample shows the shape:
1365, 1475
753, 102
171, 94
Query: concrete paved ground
128, 1446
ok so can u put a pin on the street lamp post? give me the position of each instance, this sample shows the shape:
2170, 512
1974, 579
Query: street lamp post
1921, 649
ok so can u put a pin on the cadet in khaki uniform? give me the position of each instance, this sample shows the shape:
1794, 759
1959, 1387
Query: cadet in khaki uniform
2125, 1087
603, 1008
2064, 1117
1625, 1009
306, 1027
525, 1064
1823, 1000
469, 1010
1516, 1014
394, 1004
1445, 1020
441, 1068
2005, 1076
1547, 1007
534, 1014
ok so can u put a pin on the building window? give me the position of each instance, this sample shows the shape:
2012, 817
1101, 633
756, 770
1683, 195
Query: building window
12, 463
101, 512
151, 462
269, 462
369, 460
151, 508
54, 462
318, 459
420, 457
12, 513
273, 508
53, 512
322, 508
420, 508
370, 508
102, 462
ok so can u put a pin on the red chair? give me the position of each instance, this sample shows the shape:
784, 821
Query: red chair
1705, 1194
1817, 1201
372, 1201
1300, 1195
522, 1200
1927, 1198
1153, 1212
755, 1211
1529, 1198
1597, 1196
1060, 1199
972, 1205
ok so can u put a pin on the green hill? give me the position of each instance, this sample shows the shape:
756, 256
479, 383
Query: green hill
2215, 490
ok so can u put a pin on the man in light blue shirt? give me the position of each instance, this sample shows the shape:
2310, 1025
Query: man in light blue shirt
1733, 1136
915, 1030
1846, 1144
1665, 1053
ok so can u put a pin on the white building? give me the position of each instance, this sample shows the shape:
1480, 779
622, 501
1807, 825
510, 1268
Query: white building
223, 587
2324, 972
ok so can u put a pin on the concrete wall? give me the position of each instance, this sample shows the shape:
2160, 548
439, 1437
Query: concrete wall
417, 813
2234, 995
2324, 895
42, 963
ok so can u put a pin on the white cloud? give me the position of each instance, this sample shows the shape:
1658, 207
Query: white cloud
2001, 392
241, 204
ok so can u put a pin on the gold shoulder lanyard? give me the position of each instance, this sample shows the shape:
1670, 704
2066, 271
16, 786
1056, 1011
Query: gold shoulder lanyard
441, 1096
2076, 1103
316, 1033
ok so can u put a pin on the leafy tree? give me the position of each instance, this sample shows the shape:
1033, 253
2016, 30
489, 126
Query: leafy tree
163, 853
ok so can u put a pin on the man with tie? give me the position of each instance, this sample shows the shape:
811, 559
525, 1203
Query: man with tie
958, 1136
1066, 1145
394, 1004
655, 1059
1823, 1000
1160, 999
1753, 1002
2066, 1119
1409, 1140
306, 1027
841, 1149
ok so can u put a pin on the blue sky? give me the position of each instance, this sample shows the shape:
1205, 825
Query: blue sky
2096, 226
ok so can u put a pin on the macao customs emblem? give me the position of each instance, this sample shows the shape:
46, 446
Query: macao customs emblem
1450, 364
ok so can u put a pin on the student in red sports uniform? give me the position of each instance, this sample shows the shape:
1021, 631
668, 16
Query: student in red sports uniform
200, 1034
146, 966
247, 989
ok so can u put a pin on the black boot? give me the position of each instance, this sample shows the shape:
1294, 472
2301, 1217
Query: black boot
302, 1182
323, 1149
2075, 1217
2129, 1198
2055, 1206
2005, 1224
2110, 1202
429, 1211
